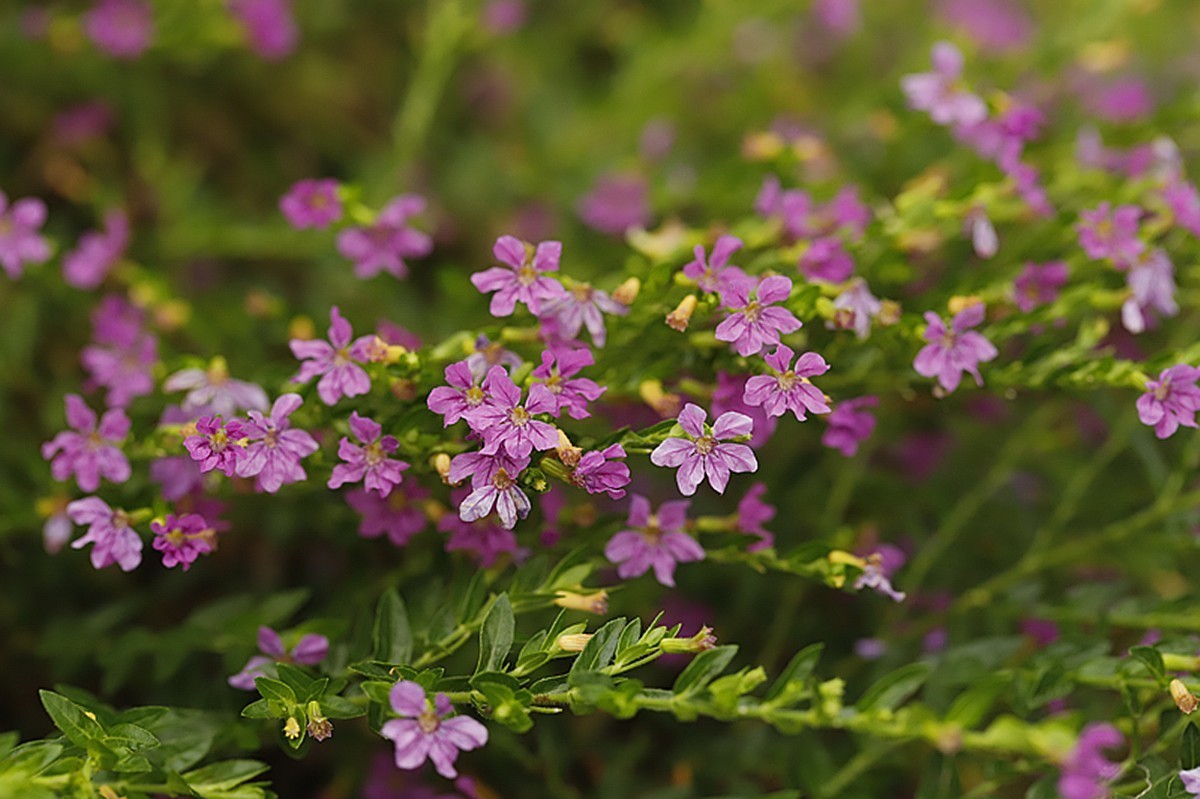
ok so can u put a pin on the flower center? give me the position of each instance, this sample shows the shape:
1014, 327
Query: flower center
271, 439
788, 380
518, 416
176, 537
220, 440
6, 225
341, 357
582, 292
501, 481
705, 444
526, 274
492, 353
374, 453
473, 395
652, 532
554, 383
752, 311
428, 722
397, 500
1163, 391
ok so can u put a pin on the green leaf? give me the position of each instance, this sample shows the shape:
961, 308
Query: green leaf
600, 649
297, 679
259, 709
797, 670
275, 690
130, 736
80, 728
972, 705
892, 689
337, 707
496, 635
1152, 659
392, 637
1189, 747
217, 780
704, 668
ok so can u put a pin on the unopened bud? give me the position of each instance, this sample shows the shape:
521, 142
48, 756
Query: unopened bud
589, 603
1185, 700
441, 464
574, 642
291, 728
319, 727
568, 453
664, 404
959, 303
302, 327
379, 351
889, 313
678, 319
700, 642
627, 292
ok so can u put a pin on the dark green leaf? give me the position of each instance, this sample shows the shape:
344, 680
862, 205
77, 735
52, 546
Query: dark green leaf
496, 635
80, 729
797, 670
1152, 660
893, 689
1189, 747
392, 639
276, 690
704, 668
599, 650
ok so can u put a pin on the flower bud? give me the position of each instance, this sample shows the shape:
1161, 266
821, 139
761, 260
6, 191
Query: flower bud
700, 642
678, 319
568, 453
958, 303
574, 642
627, 292
440, 462
589, 603
1185, 700
319, 727
664, 404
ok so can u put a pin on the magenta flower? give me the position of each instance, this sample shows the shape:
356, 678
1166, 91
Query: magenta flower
826, 259
502, 17
214, 390
399, 515
270, 27
1105, 232
113, 540
849, 425
19, 240
789, 388
385, 244
425, 732
793, 208
336, 361
121, 355
1184, 201
178, 475
1039, 284
582, 306
996, 25
182, 539
941, 92
217, 444
707, 452
753, 322
1171, 401
752, 514
274, 451
89, 451
615, 204
983, 234
1151, 281
1126, 100
312, 203
308, 651
121, 28
522, 279
1086, 772
840, 17
504, 422
954, 350
368, 464
484, 540
855, 307
460, 398
655, 541
499, 492
714, 274
97, 253
602, 472
557, 373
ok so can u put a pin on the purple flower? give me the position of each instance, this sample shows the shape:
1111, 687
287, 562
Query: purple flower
308, 651
1110, 233
983, 234
1184, 201
996, 25
1171, 400
275, 450
97, 253
485, 540
789, 388
368, 464
656, 541
504, 422
826, 259
1151, 281
850, 425
1086, 771
601, 472
841, 17
89, 451
522, 279
488, 354
215, 390
182, 539
1191, 780
335, 360
458, 399
216, 445
269, 26
714, 274
385, 244
876, 576
582, 306
1126, 100
794, 208
855, 307
557, 373
122, 354
399, 514
121, 28
1039, 284
615, 204
954, 350
729, 394
429, 733
109, 531
941, 92
707, 453
312, 203
752, 514
495, 489
177, 474
83, 122
19, 240
56, 531
755, 323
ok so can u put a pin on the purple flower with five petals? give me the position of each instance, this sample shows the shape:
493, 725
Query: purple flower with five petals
429, 733
855, 307
826, 260
954, 350
19, 240
109, 531
182, 539
523, 278
308, 651
214, 390
399, 515
499, 492
504, 422
582, 306
460, 398
1039, 284
89, 451
789, 388
383, 246
707, 453
850, 424
1151, 281
217, 445
336, 361
713, 274
602, 472
368, 464
122, 354
941, 93
753, 323
1112, 233
97, 253
1171, 400
275, 450
557, 373
312, 203
655, 541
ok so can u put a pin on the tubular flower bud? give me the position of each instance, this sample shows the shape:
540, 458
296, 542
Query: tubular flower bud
568, 453
573, 643
589, 603
627, 292
700, 642
1185, 700
319, 727
678, 319
441, 464
664, 404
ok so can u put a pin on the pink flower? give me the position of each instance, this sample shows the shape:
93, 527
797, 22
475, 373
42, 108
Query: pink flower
752, 514
213, 389
1151, 281
87, 451
582, 306
849, 425
122, 354
753, 323
826, 259
504, 422
983, 234
955, 350
707, 453
385, 244
182, 539
215, 445
789, 388
19, 240
308, 651
557, 373
794, 208
97, 253
729, 394
1126, 100
876, 576
855, 307
602, 472
656, 541
615, 204
312, 203
336, 361
121, 28
502, 17
1110, 233
429, 733
1171, 401
1086, 772
941, 93
714, 274
178, 475
996, 25
495, 488
523, 278
488, 354
1039, 284
108, 529
485, 540
1184, 201
368, 464
399, 514
840, 17
270, 27
275, 450
458, 399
